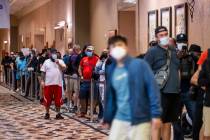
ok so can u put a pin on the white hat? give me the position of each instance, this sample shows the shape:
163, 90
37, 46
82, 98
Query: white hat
90, 48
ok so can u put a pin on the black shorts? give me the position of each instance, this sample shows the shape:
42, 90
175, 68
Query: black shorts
171, 107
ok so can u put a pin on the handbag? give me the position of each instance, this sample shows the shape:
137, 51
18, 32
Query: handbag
162, 75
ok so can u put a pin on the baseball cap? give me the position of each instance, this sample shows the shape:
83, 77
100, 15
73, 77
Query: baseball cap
160, 29
53, 50
90, 48
181, 38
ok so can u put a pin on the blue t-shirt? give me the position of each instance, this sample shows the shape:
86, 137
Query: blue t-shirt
121, 86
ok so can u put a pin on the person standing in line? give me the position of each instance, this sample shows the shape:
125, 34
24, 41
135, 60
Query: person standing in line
166, 66
197, 131
100, 72
41, 59
73, 84
21, 69
204, 81
6, 66
52, 78
86, 69
187, 69
132, 101
32, 68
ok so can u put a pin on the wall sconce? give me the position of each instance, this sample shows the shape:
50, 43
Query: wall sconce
5, 42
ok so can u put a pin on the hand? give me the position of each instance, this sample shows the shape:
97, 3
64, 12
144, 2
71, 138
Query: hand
42, 84
106, 126
56, 61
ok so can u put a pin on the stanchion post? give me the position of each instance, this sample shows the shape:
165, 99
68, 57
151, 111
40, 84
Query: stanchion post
35, 84
13, 79
31, 85
91, 99
21, 83
9, 80
25, 76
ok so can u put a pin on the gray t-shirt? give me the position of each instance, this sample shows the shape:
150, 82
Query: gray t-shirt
157, 57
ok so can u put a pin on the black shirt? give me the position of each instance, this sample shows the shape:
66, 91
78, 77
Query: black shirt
204, 80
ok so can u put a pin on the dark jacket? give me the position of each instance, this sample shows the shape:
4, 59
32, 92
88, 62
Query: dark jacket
157, 57
144, 93
204, 80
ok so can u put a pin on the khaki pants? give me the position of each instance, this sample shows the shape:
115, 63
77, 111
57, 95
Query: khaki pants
122, 130
206, 121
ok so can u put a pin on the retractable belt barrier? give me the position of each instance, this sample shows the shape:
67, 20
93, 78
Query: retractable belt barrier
27, 83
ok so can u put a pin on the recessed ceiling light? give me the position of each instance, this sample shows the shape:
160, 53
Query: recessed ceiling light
130, 1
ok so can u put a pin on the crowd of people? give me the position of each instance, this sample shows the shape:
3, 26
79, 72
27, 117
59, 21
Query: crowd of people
138, 98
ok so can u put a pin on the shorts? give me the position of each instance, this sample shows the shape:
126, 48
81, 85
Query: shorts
74, 84
53, 92
122, 130
206, 121
171, 104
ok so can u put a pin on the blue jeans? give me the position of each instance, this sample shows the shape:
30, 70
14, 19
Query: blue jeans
185, 100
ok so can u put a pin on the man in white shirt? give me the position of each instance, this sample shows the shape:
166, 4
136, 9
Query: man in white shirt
52, 78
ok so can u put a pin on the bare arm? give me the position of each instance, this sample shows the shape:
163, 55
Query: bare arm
43, 75
80, 71
61, 66
194, 79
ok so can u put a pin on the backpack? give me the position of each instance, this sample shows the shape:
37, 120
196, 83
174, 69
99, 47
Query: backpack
162, 75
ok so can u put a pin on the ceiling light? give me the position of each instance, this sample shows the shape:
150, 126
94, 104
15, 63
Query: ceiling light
130, 1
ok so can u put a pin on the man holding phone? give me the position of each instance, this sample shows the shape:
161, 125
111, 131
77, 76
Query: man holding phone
52, 82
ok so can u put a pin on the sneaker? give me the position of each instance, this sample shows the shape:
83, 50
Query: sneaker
59, 117
47, 116
65, 100
73, 110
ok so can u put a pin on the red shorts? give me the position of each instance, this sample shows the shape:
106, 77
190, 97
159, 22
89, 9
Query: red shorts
53, 92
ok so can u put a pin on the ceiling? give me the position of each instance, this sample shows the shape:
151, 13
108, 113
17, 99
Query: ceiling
20, 8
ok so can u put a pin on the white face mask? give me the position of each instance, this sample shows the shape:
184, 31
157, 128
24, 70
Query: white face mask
180, 46
164, 41
118, 53
54, 56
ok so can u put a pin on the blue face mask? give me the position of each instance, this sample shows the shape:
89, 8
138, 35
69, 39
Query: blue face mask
89, 54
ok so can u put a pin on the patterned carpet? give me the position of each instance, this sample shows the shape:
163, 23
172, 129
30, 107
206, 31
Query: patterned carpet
24, 120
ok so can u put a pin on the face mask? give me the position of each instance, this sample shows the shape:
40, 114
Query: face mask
164, 41
180, 46
89, 54
118, 53
54, 56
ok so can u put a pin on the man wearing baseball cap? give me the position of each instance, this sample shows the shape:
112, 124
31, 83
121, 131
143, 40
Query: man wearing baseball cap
165, 64
86, 67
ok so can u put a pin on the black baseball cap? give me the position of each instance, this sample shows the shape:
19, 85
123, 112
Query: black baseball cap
160, 29
53, 50
181, 38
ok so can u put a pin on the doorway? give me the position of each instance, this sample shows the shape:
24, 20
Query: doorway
127, 27
60, 40
39, 42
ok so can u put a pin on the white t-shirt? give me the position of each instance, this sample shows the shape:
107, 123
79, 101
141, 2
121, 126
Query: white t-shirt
54, 75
